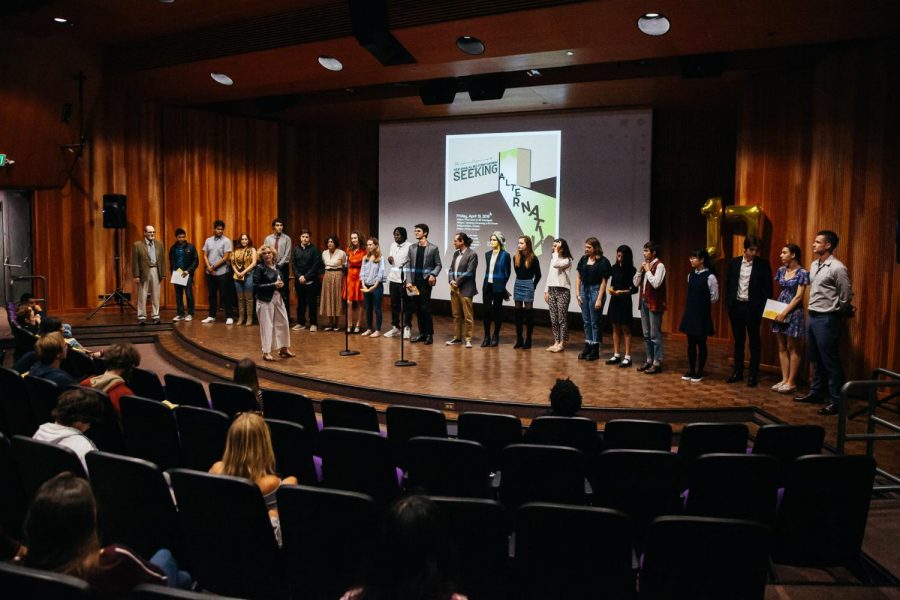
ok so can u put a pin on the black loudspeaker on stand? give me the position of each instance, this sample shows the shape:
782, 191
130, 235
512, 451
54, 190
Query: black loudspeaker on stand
403, 325
114, 218
347, 351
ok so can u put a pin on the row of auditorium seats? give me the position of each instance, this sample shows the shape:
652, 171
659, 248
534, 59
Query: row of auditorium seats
328, 534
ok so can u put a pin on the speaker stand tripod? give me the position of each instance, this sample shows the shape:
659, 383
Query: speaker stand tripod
117, 297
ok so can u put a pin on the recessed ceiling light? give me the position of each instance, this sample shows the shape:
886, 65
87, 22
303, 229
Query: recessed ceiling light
331, 63
60, 20
470, 45
654, 24
569, 53
222, 78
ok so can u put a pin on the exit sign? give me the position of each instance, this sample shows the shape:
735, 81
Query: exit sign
2, 159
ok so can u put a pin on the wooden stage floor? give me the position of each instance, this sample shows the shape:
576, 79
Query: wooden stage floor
467, 378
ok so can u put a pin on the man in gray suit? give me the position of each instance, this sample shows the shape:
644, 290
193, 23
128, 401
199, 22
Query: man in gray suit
462, 289
421, 275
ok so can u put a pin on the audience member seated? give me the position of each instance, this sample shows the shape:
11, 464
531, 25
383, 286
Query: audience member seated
49, 325
414, 558
27, 319
61, 535
74, 414
245, 374
50, 350
565, 399
249, 454
30, 301
121, 359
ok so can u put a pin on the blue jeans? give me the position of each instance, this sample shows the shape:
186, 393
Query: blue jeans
373, 304
651, 323
589, 314
181, 580
246, 285
824, 330
185, 290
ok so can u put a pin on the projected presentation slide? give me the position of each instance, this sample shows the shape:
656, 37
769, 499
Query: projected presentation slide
570, 176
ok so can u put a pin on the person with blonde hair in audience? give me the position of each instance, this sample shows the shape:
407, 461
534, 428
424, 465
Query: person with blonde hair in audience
249, 454
62, 535
51, 350
270, 310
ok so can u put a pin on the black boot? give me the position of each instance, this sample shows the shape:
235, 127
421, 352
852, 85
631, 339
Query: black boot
519, 341
529, 328
594, 353
586, 352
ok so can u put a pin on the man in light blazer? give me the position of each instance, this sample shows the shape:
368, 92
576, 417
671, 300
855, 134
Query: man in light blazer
148, 266
749, 285
421, 275
462, 289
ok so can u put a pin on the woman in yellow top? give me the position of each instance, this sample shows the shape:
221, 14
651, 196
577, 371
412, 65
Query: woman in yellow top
243, 260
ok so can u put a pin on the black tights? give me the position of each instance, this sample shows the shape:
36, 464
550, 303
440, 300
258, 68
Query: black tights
695, 343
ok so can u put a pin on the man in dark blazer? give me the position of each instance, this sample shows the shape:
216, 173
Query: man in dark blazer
748, 286
462, 289
421, 274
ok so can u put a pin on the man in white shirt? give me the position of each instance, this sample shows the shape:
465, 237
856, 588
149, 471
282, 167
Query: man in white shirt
747, 288
217, 256
398, 257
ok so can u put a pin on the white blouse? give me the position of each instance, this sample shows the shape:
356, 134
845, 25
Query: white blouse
559, 273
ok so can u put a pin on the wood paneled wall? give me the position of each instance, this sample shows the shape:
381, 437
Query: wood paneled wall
178, 168
329, 181
818, 150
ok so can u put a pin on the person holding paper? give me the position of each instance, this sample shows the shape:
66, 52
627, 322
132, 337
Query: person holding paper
749, 285
789, 325
184, 260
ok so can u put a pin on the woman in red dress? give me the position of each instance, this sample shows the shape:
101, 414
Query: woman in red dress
352, 291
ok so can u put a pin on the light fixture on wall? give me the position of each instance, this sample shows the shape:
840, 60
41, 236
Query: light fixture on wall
331, 63
654, 24
222, 78
61, 20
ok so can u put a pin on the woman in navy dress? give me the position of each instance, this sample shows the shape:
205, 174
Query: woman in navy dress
702, 292
621, 309
789, 325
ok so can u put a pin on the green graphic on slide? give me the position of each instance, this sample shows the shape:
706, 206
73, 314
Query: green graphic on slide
534, 212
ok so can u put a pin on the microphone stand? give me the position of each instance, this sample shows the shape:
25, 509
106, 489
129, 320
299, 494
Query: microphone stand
403, 362
347, 351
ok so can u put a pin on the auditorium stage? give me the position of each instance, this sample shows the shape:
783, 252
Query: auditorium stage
455, 379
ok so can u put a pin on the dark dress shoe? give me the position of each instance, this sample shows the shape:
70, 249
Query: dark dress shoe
156, 321
417, 339
429, 339
645, 366
829, 409
735, 377
486, 342
526, 345
626, 362
653, 370
519, 343
495, 341
811, 398
142, 322
751, 381
613, 361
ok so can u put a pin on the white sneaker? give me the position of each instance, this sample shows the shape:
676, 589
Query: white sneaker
313, 328
229, 321
209, 320
394, 332
777, 386
189, 318
375, 334
468, 343
366, 333
177, 318
406, 333
298, 327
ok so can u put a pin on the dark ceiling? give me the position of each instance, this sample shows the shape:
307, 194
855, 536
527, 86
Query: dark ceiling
588, 53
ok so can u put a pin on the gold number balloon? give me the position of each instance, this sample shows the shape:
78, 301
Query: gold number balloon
751, 215
712, 210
